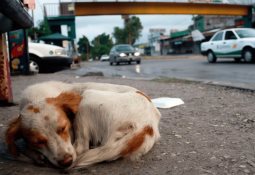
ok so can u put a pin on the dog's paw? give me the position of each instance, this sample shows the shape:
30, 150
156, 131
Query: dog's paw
39, 159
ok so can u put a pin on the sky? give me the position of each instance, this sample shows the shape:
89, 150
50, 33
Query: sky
91, 26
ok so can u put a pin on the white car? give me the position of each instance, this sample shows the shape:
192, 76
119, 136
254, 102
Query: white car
237, 43
43, 57
104, 58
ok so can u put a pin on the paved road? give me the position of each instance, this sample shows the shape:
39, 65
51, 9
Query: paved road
225, 72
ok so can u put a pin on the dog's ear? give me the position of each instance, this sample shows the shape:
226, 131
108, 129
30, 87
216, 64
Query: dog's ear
68, 101
12, 134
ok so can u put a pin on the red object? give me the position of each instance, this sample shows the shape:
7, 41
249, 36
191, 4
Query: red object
17, 50
239, 23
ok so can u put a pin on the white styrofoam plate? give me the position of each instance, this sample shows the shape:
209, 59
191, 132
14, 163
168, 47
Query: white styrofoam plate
166, 102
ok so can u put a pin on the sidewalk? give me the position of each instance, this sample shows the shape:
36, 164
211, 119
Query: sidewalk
176, 56
212, 133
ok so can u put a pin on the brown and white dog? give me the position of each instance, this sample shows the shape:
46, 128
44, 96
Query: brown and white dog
109, 121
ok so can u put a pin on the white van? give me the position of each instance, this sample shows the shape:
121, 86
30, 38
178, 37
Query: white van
44, 56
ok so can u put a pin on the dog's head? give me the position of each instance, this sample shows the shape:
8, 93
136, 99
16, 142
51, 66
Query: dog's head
45, 126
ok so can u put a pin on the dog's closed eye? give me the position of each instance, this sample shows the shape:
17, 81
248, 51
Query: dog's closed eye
62, 129
63, 132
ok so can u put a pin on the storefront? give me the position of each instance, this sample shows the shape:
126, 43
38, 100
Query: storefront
13, 16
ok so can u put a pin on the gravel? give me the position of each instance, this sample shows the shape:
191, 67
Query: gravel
212, 133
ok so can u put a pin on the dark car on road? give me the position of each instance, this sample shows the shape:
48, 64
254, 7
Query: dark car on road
124, 53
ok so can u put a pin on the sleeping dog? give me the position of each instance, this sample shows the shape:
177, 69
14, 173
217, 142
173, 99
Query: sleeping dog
80, 124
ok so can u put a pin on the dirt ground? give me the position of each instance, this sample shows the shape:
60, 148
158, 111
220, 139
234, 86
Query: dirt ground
212, 133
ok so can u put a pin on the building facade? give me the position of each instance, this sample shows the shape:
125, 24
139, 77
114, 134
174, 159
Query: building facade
154, 37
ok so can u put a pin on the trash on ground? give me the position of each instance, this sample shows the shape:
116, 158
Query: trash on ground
166, 102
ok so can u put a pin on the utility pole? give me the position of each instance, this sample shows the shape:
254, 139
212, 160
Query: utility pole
126, 20
87, 50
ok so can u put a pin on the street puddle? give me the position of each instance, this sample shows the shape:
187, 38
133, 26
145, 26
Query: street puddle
138, 69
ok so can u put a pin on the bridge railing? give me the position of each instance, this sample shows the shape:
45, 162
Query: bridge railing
56, 9
237, 2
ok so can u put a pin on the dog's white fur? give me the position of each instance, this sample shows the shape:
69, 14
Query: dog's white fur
111, 121
116, 121
40, 91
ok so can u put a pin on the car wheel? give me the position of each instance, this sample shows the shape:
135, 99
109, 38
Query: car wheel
111, 63
211, 57
35, 64
33, 67
117, 63
138, 62
248, 55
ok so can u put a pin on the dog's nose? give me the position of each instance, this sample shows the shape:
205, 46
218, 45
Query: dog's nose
67, 161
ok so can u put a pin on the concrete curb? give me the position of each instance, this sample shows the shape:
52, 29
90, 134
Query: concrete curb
238, 86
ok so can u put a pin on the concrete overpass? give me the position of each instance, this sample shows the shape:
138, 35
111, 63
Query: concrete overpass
141, 8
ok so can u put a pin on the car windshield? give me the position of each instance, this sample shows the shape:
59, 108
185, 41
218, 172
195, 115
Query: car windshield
246, 33
124, 48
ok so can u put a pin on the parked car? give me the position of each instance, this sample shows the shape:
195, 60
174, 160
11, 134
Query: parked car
43, 57
124, 53
237, 43
104, 58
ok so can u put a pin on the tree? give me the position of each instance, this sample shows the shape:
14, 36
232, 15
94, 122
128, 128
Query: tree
133, 28
102, 44
120, 35
84, 47
130, 33
42, 30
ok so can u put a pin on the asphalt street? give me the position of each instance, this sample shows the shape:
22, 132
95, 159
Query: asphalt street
190, 67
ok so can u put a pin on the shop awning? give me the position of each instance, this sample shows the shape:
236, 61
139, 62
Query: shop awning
55, 37
211, 32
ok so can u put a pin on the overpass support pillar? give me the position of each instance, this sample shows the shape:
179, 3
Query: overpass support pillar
248, 18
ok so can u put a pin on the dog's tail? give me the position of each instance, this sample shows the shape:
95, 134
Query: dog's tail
135, 142
104, 153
